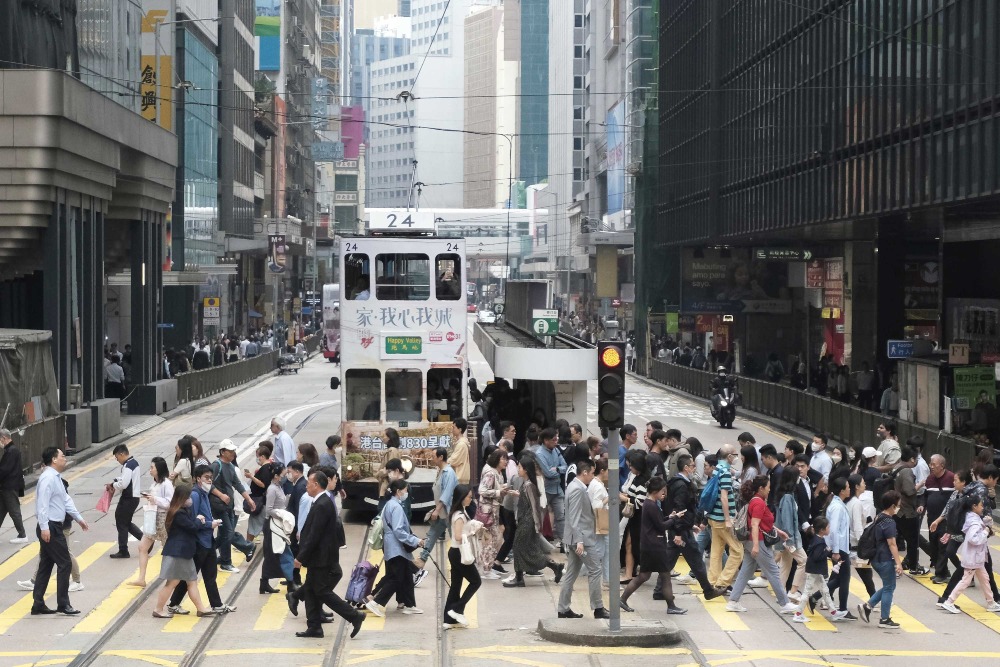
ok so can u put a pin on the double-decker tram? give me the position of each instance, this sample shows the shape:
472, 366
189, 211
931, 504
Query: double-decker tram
404, 352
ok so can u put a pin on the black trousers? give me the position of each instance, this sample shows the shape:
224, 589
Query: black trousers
507, 518
842, 580
398, 581
938, 552
55, 552
457, 598
123, 522
865, 574
205, 561
910, 527
695, 560
318, 590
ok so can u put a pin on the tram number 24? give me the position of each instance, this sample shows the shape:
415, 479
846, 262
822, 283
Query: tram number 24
353, 247
408, 221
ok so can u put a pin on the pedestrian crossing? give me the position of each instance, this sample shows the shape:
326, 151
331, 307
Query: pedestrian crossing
270, 613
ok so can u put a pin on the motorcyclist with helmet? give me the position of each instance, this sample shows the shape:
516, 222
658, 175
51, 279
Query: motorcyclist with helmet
721, 381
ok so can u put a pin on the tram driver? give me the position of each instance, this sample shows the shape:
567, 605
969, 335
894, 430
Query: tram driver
361, 290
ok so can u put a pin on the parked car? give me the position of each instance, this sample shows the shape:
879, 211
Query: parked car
487, 317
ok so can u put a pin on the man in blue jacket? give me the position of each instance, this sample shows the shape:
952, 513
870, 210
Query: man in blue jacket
204, 556
552, 465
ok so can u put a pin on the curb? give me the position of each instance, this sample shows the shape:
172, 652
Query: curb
594, 632
107, 445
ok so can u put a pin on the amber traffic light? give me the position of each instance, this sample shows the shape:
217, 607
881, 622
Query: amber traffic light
610, 384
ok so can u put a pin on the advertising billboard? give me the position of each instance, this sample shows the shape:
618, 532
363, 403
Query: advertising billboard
727, 281
156, 64
267, 35
616, 158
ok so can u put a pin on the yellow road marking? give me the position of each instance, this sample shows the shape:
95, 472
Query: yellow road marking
726, 620
373, 655
973, 609
40, 663
273, 614
22, 607
373, 623
147, 656
21, 558
115, 603
186, 622
906, 622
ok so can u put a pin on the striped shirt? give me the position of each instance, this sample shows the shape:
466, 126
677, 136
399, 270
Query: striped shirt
725, 484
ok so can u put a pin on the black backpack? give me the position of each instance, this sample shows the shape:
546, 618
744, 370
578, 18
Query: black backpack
886, 482
867, 544
955, 518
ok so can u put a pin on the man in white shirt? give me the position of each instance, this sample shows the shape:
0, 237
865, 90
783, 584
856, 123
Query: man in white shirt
129, 488
889, 451
284, 446
821, 461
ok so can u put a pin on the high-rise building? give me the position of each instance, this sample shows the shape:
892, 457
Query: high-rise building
533, 113
367, 12
236, 117
490, 110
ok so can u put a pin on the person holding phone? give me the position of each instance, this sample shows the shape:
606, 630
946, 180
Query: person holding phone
204, 554
158, 496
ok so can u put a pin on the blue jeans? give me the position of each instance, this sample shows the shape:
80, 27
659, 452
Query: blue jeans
887, 573
286, 560
227, 537
435, 531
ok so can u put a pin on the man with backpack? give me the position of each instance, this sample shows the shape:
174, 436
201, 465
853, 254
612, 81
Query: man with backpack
720, 518
225, 485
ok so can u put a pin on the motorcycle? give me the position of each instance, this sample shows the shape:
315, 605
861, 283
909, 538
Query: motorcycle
724, 407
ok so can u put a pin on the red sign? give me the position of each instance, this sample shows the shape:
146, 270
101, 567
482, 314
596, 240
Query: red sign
833, 284
704, 323
435, 337
815, 274
451, 336
720, 341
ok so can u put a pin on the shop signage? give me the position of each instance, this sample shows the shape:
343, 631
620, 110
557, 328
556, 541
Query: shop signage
782, 254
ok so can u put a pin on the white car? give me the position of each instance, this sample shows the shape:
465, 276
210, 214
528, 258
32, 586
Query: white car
486, 317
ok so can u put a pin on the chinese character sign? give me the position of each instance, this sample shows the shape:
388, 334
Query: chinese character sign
156, 65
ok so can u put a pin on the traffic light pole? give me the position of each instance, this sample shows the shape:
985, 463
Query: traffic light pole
614, 534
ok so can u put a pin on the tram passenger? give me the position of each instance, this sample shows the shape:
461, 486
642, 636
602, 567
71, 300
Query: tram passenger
361, 290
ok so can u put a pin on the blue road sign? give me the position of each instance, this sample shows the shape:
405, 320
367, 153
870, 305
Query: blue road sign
900, 349
165, 325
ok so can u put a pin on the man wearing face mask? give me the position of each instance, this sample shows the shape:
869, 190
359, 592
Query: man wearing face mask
821, 461
204, 555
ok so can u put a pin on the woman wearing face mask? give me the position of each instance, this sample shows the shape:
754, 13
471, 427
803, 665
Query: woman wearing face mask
158, 495
398, 546
394, 470
841, 463
178, 554
275, 564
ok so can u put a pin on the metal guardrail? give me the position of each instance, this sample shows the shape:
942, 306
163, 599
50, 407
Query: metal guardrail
845, 423
36, 437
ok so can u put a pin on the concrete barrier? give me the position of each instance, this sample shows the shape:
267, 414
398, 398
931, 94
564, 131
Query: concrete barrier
78, 429
154, 398
105, 419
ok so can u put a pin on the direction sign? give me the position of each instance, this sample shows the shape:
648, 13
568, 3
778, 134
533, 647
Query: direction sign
165, 325
545, 322
782, 254
900, 349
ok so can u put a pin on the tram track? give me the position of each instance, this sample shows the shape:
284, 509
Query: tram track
195, 655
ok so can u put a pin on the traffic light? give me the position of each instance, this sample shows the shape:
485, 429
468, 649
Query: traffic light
611, 384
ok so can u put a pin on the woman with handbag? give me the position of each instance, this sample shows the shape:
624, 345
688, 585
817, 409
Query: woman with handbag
462, 558
157, 503
762, 535
491, 492
258, 483
276, 564
531, 551
632, 497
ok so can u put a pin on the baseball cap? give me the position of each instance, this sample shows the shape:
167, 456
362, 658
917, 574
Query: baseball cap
746, 437
869, 452
227, 444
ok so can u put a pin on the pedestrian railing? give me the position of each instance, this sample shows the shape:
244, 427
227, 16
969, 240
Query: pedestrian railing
201, 384
843, 422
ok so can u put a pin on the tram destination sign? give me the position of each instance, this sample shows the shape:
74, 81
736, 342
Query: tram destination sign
402, 345
401, 221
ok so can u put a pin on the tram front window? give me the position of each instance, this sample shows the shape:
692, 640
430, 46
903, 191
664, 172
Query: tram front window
363, 391
444, 394
402, 277
403, 389
449, 277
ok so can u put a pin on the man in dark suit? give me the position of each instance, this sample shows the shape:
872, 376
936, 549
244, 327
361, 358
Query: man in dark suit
319, 550
806, 490
772, 466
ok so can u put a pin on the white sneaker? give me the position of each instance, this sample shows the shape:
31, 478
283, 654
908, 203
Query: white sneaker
757, 582
400, 606
735, 606
799, 618
419, 577
790, 608
490, 575
510, 579
19, 540
375, 608
75, 586
412, 610
950, 606
994, 606
795, 597
684, 579
26, 585
459, 618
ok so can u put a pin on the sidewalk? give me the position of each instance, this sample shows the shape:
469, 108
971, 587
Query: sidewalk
133, 425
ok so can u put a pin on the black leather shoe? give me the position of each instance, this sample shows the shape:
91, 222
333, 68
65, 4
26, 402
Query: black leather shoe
601, 612
41, 609
714, 593
311, 633
569, 613
67, 611
293, 603
558, 569
265, 588
625, 607
356, 624
517, 583
121, 554
658, 596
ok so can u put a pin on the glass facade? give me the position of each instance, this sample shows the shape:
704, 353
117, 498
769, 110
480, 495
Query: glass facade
201, 159
534, 107
776, 115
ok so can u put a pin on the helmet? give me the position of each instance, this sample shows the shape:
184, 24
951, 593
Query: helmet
722, 370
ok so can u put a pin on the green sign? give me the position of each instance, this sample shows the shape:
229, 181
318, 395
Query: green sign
673, 323
969, 381
545, 322
404, 345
